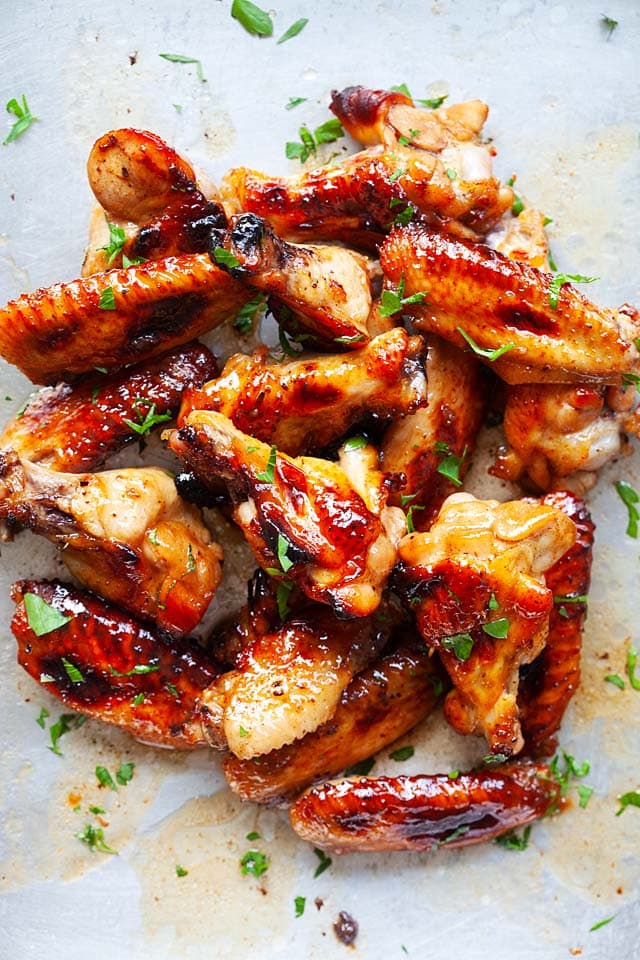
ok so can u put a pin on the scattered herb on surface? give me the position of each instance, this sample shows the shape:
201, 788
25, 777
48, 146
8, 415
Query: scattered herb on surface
460, 644
490, 355
616, 680
179, 58
361, 768
180, 871
630, 498
601, 923
560, 280
394, 300
608, 25
325, 861
136, 671
124, 773
294, 29
402, 753
42, 716
104, 778
94, 839
24, 118
513, 840
632, 659
299, 905
41, 616
63, 724
254, 20
246, 316
254, 862
295, 102
630, 799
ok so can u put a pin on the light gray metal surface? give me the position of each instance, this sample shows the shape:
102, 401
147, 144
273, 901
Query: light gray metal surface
565, 117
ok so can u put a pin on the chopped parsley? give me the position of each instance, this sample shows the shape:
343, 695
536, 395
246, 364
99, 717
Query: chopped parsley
458, 832
325, 862
560, 280
360, 769
460, 644
494, 759
107, 299
146, 421
94, 839
630, 498
584, 794
246, 316
104, 778
299, 904
632, 659
294, 29
356, 338
327, 132
254, 862
410, 512
630, 799
24, 118
282, 598
283, 559
180, 871
179, 58
394, 300
582, 598
402, 88
355, 443
65, 722
451, 173
124, 773
225, 258
243, 733
498, 629
490, 355
616, 680
405, 216
133, 262
601, 923
433, 102
42, 716
493, 602
268, 475
514, 841
295, 102
450, 466
517, 206
191, 560
398, 172
42, 617
252, 835
72, 671
608, 25
137, 700
254, 20
402, 754
571, 771
117, 240
136, 671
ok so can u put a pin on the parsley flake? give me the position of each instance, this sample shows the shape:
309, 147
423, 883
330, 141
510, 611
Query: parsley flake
560, 280
616, 680
65, 722
460, 644
601, 923
180, 871
630, 799
327, 132
246, 316
254, 20
282, 598
24, 118
107, 299
136, 671
94, 839
630, 498
42, 617
360, 769
254, 862
147, 421
268, 475
608, 24
179, 58
325, 862
42, 716
72, 671
283, 559
294, 29
402, 754
104, 778
393, 301
117, 240
498, 629
451, 465
225, 258
253, 835
632, 659
490, 355
433, 102
299, 904
355, 443
295, 102
124, 773
514, 841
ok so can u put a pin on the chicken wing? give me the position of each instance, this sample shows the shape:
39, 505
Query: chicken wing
125, 534
380, 704
525, 239
324, 525
74, 428
423, 812
476, 584
502, 303
422, 451
106, 665
550, 682
115, 318
305, 404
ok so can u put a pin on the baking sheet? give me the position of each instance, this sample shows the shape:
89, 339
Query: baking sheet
564, 116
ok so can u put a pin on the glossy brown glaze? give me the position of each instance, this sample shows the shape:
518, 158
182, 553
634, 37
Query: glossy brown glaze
158, 706
498, 301
380, 704
550, 682
414, 447
304, 404
73, 428
363, 112
423, 812
61, 331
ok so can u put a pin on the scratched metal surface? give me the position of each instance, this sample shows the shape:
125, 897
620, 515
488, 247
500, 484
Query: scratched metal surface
565, 116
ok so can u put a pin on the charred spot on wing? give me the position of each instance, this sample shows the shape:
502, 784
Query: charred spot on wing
191, 489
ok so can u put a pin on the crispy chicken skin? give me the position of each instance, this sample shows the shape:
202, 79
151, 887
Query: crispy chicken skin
74, 428
423, 812
551, 680
414, 447
325, 525
326, 286
525, 239
157, 706
380, 705
304, 404
289, 680
560, 435
125, 534
409, 155
146, 188
500, 301
483, 562
61, 331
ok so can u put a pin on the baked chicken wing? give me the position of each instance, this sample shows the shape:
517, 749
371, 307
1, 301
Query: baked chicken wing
104, 664
503, 303
476, 584
325, 526
125, 534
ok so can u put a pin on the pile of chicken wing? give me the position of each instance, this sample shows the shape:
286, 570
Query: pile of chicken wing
410, 297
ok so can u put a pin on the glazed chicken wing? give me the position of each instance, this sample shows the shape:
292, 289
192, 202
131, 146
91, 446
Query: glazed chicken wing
74, 428
104, 664
327, 286
476, 584
323, 525
500, 302
125, 534
380, 705
423, 812
423, 450
305, 404
115, 318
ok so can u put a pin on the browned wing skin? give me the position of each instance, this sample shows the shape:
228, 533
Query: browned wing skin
560, 435
480, 566
500, 301
452, 417
288, 681
326, 286
382, 703
305, 404
551, 680
158, 706
125, 534
61, 331
74, 428
423, 812
329, 521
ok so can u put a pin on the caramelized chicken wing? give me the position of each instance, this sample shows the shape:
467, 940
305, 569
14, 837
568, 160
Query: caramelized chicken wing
423, 450
106, 665
304, 404
115, 318
551, 680
476, 584
500, 302
525, 239
288, 681
423, 812
74, 428
125, 534
323, 525
380, 704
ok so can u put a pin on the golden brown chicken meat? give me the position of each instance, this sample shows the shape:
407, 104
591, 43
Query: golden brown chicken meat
476, 584
323, 525
125, 534
104, 664
529, 330
306, 403
74, 428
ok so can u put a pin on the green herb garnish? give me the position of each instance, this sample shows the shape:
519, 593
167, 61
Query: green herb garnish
498, 629
630, 799
608, 24
402, 753
394, 300
179, 58
601, 923
225, 258
294, 29
24, 119
94, 839
246, 316
72, 671
254, 20
254, 862
268, 475
117, 240
65, 722
490, 355
147, 421
560, 280
136, 671
295, 102
180, 871
361, 768
42, 617
514, 841
107, 299
325, 861
104, 778
299, 904
630, 498
42, 716
632, 659
616, 680
460, 644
